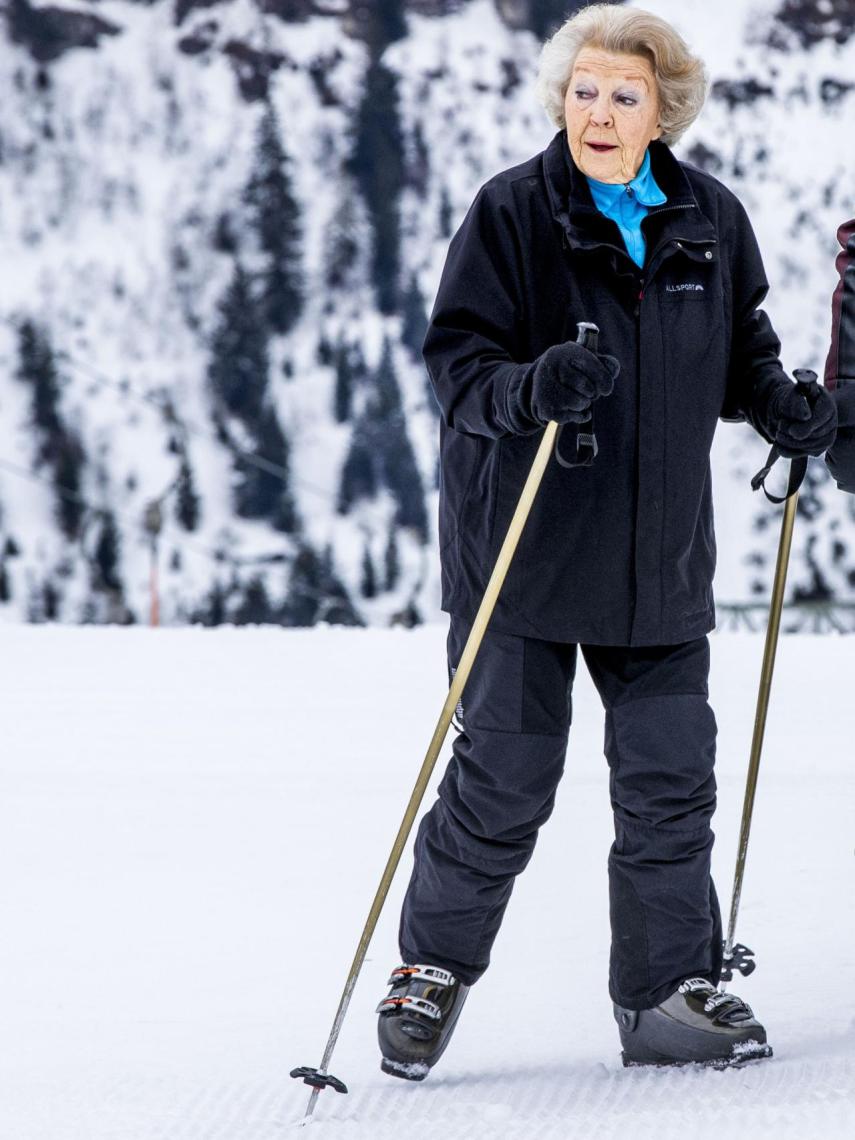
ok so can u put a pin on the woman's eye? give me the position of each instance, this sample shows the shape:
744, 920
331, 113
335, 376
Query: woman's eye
583, 95
626, 100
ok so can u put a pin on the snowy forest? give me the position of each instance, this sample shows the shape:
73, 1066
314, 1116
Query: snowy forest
222, 225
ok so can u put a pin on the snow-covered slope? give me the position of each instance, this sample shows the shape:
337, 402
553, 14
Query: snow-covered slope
192, 827
124, 165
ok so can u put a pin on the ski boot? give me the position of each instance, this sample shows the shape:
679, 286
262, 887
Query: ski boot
417, 1019
696, 1025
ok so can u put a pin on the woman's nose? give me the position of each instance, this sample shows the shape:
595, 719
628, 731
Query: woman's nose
601, 112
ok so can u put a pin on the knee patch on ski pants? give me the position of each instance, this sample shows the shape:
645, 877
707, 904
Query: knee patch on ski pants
661, 753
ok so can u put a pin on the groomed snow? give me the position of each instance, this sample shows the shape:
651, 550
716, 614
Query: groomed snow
193, 824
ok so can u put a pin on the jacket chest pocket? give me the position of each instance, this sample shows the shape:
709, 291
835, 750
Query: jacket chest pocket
694, 337
686, 280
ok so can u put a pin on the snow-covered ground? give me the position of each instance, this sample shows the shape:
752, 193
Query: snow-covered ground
192, 825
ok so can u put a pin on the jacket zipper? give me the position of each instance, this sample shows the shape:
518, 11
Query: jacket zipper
665, 209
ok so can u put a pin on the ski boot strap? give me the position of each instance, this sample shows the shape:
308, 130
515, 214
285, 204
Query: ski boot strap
421, 973
410, 1005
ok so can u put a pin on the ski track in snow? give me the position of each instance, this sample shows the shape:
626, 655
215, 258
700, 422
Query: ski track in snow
193, 824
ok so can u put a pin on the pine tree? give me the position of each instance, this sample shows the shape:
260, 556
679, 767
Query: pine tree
58, 446
359, 474
316, 593
391, 561
51, 601
276, 217
239, 359
341, 241
403, 479
187, 507
262, 493
336, 608
343, 390
255, 608
386, 398
400, 472
5, 584
37, 366
546, 16
415, 323
378, 166
419, 166
106, 568
68, 459
304, 589
368, 585
224, 239
381, 22
213, 611
380, 453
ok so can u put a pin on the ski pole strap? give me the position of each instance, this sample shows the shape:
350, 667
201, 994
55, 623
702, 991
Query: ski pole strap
798, 467
806, 382
586, 444
585, 451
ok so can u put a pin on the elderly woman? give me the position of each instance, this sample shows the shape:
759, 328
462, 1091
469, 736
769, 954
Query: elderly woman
617, 558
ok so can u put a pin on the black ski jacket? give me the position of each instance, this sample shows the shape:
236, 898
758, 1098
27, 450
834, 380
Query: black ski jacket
622, 552
840, 366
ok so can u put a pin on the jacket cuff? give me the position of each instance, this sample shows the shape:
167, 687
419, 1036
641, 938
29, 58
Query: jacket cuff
518, 402
762, 413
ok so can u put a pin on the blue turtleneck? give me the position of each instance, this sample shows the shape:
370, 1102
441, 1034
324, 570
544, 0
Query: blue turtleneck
627, 204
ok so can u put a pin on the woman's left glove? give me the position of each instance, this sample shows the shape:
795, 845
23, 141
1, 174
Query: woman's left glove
798, 426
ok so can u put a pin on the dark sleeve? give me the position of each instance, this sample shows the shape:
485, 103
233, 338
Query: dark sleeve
472, 346
841, 358
755, 369
840, 366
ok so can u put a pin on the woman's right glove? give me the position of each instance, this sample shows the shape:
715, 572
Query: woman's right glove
567, 378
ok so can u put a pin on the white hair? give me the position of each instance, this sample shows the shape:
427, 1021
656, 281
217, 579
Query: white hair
681, 77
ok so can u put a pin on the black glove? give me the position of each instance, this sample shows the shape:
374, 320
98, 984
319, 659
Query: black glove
567, 379
798, 427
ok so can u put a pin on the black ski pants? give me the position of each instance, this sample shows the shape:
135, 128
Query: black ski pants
499, 788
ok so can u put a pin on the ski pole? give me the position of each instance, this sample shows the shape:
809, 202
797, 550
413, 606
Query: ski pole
737, 957
321, 1078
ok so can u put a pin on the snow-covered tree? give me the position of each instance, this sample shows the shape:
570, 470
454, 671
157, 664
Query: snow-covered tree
377, 163
187, 507
261, 491
239, 363
276, 218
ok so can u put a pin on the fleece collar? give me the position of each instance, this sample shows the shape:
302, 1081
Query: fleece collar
643, 188
585, 227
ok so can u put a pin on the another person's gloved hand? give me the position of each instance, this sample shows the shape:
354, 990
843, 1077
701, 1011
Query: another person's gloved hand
799, 428
567, 379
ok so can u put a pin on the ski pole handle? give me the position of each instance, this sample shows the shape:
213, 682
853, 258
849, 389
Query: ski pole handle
806, 382
588, 335
806, 379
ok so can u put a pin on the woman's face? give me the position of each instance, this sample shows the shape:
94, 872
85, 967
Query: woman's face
612, 113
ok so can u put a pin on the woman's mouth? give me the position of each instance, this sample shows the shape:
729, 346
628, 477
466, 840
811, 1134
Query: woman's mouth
601, 148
